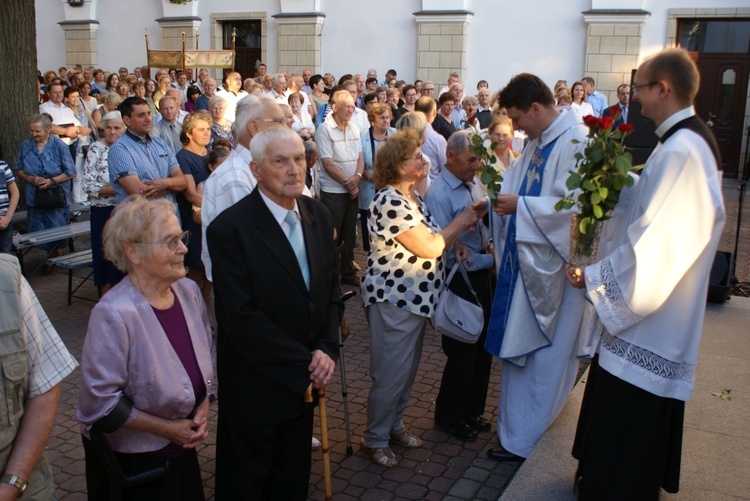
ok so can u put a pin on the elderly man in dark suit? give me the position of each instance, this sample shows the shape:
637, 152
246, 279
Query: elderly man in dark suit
278, 308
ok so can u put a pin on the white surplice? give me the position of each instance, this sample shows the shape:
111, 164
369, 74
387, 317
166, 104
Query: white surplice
649, 287
539, 344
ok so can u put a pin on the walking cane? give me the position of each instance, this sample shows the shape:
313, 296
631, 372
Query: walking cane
323, 438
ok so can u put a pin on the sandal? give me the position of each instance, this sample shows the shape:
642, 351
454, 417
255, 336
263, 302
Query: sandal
383, 457
406, 439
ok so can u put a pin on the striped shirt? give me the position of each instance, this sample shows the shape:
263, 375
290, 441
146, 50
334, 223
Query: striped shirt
8, 177
148, 158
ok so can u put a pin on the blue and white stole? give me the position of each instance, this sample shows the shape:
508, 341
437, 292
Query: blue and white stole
507, 274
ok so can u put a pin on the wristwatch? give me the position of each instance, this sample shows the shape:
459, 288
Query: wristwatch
16, 482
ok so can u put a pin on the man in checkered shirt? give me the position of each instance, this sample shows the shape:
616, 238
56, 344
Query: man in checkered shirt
34, 361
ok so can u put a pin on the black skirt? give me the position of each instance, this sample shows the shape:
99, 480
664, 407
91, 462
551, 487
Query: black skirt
628, 441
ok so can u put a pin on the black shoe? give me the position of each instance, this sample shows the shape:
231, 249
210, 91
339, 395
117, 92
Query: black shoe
459, 431
500, 454
353, 281
478, 423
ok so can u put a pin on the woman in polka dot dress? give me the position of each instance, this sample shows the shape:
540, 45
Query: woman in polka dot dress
400, 288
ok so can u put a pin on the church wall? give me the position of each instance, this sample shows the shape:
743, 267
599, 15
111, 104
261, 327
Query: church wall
504, 38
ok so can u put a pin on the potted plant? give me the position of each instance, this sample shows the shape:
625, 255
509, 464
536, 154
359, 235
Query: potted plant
602, 171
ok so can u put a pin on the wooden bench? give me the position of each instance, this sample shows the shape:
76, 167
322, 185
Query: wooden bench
23, 243
22, 216
74, 261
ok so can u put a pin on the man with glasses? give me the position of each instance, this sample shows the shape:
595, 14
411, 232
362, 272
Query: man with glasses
232, 180
648, 291
342, 171
428, 89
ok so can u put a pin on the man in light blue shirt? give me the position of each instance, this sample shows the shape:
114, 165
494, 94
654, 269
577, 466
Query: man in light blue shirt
463, 391
595, 98
141, 164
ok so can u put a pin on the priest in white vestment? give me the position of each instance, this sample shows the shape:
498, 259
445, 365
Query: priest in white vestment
536, 315
648, 291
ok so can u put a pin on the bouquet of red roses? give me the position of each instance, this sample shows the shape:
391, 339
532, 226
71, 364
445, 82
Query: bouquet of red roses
602, 171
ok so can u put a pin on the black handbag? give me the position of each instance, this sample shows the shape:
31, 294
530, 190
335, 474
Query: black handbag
51, 198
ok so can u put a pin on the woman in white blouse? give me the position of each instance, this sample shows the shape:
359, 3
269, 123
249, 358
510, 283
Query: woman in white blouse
400, 288
302, 121
580, 106
96, 186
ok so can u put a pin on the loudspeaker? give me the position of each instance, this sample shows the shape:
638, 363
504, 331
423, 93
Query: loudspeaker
720, 278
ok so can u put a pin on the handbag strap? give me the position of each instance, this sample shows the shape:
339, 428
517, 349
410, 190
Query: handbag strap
462, 268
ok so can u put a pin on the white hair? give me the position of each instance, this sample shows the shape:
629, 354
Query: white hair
259, 144
250, 107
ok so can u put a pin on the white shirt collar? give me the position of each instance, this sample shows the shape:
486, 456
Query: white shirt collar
278, 212
671, 121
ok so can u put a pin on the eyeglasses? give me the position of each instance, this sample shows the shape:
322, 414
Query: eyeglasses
277, 120
636, 87
418, 156
172, 243
428, 88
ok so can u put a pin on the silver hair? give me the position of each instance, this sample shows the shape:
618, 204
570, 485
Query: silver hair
470, 100
250, 107
44, 119
459, 141
414, 120
112, 115
275, 78
215, 99
259, 143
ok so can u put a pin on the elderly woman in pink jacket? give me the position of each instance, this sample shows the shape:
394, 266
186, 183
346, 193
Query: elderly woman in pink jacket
147, 368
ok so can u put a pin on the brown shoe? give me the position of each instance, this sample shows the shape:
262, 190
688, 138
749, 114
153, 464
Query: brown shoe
383, 457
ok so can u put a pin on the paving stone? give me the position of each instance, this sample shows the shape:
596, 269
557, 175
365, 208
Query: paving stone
464, 489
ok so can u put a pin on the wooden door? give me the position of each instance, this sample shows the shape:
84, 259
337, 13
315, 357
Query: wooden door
721, 103
247, 45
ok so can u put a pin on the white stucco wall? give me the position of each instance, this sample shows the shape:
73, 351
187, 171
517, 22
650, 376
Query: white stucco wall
360, 35
50, 38
505, 38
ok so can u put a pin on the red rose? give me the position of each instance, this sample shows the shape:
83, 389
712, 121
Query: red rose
625, 128
605, 122
471, 120
590, 121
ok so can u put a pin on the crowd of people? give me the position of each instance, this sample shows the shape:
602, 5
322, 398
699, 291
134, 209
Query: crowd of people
233, 209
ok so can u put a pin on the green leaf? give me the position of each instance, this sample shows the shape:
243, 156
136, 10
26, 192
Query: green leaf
603, 192
574, 181
588, 185
598, 213
622, 165
486, 178
584, 225
595, 198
